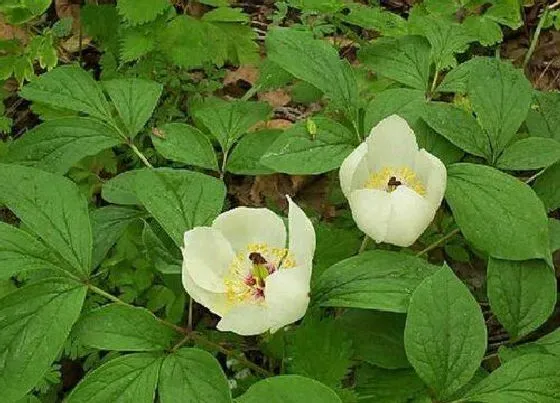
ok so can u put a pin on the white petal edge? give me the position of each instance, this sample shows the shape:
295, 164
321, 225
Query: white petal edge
215, 302
301, 235
243, 225
410, 216
246, 319
207, 256
432, 172
391, 143
287, 296
371, 211
354, 171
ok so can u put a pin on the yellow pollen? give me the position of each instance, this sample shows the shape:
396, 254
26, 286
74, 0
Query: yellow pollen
246, 281
389, 178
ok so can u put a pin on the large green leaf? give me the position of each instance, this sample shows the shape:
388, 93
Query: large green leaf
522, 294
445, 334
135, 100
316, 62
530, 153
140, 11
377, 337
34, 323
53, 208
547, 186
165, 256
298, 152
58, 144
180, 200
69, 87
190, 375
457, 126
124, 328
20, 251
405, 102
121, 189
289, 389
184, 143
227, 121
378, 385
529, 378
500, 97
130, 378
543, 119
374, 18
405, 59
373, 280
497, 213
108, 224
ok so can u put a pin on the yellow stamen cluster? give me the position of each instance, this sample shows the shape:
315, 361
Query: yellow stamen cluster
246, 281
381, 180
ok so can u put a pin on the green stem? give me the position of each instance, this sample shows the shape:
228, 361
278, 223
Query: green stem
439, 242
535, 39
224, 164
140, 155
434, 83
364, 244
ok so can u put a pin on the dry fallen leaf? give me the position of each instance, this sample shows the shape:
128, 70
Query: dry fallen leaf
246, 73
9, 32
275, 98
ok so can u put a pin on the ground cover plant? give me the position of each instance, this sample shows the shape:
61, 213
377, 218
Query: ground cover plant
286, 201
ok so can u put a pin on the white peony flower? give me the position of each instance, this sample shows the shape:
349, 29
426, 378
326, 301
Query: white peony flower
394, 189
241, 269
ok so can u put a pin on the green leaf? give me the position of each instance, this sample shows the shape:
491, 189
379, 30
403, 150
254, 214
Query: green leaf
457, 80
134, 44
69, 87
317, 63
166, 258
121, 189
483, 29
184, 143
108, 224
317, 6
140, 11
225, 14
445, 334
436, 144
377, 385
529, 378
407, 103
130, 378
228, 121
288, 389
124, 328
191, 375
405, 59
51, 207
500, 97
322, 350
457, 126
134, 100
542, 119
497, 213
554, 232
298, 152
547, 187
377, 337
21, 252
506, 12
240, 39
245, 157
374, 18
101, 22
372, 280
180, 200
522, 294
59, 144
530, 153
34, 323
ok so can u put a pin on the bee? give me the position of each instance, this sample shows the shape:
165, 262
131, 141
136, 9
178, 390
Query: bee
257, 259
393, 182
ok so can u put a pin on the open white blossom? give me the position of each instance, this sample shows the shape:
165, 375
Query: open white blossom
242, 270
394, 189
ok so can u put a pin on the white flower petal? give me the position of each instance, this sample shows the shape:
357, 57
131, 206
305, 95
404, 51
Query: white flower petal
242, 226
245, 319
410, 216
216, 302
287, 295
207, 256
391, 143
371, 211
354, 171
433, 174
302, 235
